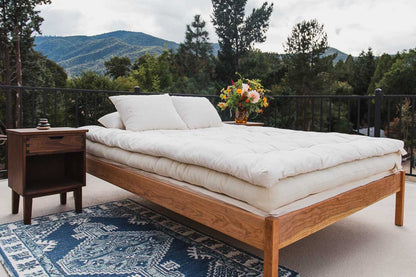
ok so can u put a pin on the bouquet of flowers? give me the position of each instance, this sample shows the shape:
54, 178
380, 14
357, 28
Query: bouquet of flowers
244, 96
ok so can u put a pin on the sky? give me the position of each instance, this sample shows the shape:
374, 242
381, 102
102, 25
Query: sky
352, 25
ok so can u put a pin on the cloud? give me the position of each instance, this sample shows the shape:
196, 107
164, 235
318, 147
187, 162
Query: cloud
352, 25
61, 22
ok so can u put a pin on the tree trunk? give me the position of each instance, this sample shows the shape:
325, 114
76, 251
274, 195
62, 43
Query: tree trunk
6, 62
19, 76
5, 48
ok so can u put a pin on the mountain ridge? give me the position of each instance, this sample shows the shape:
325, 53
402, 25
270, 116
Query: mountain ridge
81, 53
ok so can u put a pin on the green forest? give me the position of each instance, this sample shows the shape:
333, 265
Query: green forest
302, 69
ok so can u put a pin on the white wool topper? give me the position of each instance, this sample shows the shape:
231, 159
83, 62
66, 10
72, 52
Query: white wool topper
261, 156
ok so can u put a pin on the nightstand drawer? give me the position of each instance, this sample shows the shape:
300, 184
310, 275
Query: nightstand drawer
46, 144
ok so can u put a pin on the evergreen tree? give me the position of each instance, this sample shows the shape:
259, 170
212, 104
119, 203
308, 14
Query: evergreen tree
305, 59
19, 20
267, 67
400, 78
383, 65
194, 57
164, 70
236, 33
344, 71
38, 71
117, 67
308, 70
364, 67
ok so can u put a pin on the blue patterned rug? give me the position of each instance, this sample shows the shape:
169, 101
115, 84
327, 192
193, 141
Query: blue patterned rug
120, 238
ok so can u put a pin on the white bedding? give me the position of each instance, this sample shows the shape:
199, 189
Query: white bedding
261, 156
266, 197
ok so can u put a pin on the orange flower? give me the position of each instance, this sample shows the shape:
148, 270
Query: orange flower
247, 100
223, 96
266, 105
239, 91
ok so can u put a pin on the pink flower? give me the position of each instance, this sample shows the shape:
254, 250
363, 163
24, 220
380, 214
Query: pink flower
254, 96
245, 87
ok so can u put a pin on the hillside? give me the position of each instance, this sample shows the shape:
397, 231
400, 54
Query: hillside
340, 55
81, 53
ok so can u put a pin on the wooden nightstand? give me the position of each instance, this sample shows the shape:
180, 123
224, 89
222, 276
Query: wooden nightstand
43, 163
248, 123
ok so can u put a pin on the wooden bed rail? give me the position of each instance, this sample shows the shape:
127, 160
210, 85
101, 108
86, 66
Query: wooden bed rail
266, 233
228, 219
291, 227
298, 224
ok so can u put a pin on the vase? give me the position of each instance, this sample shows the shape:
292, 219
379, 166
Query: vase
241, 115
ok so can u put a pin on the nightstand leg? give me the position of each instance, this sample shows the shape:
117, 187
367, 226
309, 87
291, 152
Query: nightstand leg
63, 198
15, 202
27, 209
78, 200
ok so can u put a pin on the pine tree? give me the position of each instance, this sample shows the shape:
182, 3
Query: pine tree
383, 65
364, 67
194, 56
305, 49
236, 33
19, 20
400, 78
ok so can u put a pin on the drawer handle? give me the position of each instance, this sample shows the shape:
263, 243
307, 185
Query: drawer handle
56, 137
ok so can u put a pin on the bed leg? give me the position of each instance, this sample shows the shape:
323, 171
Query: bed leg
271, 248
400, 201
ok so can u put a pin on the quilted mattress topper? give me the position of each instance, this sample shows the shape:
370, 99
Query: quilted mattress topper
259, 155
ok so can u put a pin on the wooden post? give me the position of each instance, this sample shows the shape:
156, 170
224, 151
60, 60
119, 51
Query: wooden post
271, 248
78, 200
15, 202
400, 201
27, 209
63, 198
378, 99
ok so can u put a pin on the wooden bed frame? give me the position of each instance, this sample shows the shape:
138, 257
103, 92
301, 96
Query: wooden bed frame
266, 233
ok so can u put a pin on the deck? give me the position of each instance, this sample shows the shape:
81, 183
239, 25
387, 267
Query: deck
364, 244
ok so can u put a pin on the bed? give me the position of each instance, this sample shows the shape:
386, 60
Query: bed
320, 178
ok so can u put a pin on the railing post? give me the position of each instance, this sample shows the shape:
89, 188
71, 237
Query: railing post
9, 110
377, 111
136, 90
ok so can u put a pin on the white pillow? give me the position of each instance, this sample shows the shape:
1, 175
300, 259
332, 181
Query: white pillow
196, 112
147, 112
112, 120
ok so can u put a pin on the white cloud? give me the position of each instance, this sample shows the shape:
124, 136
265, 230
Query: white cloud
352, 25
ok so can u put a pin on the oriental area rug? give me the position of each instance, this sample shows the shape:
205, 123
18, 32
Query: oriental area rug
119, 238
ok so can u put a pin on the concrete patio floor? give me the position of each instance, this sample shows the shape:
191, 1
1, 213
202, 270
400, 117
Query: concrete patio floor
364, 244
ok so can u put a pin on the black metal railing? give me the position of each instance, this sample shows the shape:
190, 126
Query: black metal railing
373, 115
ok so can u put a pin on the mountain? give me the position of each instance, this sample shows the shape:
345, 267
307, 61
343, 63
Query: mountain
81, 53
340, 55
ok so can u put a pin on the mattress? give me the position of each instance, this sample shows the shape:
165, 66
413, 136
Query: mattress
261, 156
267, 198
296, 205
